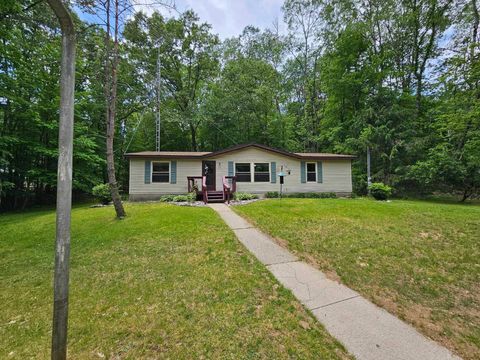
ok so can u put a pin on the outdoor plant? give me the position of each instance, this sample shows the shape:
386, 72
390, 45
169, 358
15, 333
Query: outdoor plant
102, 193
245, 196
272, 194
166, 198
380, 191
192, 196
180, 198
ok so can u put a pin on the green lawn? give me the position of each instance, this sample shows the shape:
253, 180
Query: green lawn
166, 282
419, 260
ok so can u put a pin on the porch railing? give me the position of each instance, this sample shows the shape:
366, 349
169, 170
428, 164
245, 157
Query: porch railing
229, 187
198, 184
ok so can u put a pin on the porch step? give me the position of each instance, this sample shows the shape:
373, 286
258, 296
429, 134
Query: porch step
215, 196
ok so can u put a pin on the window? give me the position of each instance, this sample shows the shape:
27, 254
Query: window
160, 172
243, 172
311, 172
261, 172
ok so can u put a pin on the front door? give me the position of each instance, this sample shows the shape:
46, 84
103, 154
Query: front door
208, 170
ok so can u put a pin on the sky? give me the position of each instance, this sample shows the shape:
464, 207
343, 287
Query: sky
229, 17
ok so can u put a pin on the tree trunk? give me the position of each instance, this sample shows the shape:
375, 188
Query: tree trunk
64, 182
111, 97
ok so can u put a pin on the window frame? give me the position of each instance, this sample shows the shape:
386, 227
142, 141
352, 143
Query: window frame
307, 172
250, 167
252, 171
169, 172
268, 171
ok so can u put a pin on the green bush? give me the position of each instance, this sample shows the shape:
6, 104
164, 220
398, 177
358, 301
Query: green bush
180, 198
167, 198
311, 195
192, 196
380, 191
244, 196
102, 193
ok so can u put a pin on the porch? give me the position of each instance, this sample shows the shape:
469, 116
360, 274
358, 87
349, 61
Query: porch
207, 191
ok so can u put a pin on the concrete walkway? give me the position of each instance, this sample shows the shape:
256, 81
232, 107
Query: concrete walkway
367, 331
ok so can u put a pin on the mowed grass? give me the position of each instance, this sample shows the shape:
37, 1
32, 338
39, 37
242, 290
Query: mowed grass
166, 282
419, 260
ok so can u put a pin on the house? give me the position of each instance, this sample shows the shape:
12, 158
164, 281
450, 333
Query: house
252, 168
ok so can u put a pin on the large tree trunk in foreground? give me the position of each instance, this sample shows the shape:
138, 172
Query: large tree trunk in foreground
111, 66
64, 182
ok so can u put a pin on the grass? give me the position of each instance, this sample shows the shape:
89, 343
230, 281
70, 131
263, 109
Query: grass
166, 282
419, 260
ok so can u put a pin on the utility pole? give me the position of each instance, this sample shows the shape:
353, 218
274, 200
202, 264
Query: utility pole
64, 182
157, 120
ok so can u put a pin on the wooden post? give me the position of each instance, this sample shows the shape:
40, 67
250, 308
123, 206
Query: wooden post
64, 182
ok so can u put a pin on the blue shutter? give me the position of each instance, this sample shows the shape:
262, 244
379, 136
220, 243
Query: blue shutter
273, 172
319, 172
173, 172
230, 168
147, 171
303, 172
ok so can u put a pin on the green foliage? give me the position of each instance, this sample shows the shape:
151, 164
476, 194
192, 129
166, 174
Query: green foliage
348, 81
180, 198
167, 198
190, 197
301, 195
380, 191
102, 193
244, 196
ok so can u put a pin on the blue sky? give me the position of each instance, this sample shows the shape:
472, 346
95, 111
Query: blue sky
229, 17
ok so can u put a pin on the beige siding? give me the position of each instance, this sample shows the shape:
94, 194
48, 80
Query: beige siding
184, 168
337, 175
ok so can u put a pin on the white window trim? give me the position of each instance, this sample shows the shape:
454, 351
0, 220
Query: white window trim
252, 171
269, 172
169, 172
306, 172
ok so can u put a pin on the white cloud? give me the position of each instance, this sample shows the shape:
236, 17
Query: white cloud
229, 17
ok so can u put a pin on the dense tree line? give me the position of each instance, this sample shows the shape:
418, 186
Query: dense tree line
399, 77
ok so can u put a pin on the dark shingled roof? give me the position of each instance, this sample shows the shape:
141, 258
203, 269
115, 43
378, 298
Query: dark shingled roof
206, 155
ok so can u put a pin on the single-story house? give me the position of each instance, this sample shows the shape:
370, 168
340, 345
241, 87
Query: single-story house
252, 168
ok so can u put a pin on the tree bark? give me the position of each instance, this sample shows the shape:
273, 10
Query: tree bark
64, 182
111, 99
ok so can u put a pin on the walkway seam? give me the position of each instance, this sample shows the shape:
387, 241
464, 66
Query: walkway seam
335, 302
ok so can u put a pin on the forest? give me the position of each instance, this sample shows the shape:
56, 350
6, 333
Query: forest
398, 78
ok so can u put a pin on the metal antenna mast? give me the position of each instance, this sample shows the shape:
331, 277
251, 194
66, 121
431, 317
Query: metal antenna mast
157, 120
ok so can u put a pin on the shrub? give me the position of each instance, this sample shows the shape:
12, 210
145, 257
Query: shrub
380, 191
272, 194
102, 193
244, 196
167, 198
180, 198
311, 195
192, 196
